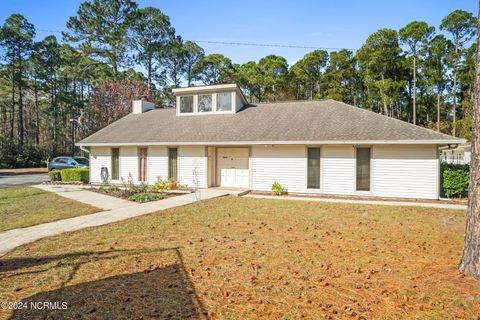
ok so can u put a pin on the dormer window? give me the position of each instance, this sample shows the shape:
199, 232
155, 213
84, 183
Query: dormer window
224, 101
186, 104
205, 103
209, 100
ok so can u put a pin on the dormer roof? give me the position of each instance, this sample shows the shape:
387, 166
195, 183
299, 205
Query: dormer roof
228, 87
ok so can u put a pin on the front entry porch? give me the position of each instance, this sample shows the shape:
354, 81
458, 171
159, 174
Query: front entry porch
228, 167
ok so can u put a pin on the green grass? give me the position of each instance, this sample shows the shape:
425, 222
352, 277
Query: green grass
244, 258
28, 206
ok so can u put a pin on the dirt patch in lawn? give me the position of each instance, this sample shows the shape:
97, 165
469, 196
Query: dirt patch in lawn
243, 258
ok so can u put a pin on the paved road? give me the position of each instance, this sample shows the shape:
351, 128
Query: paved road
15, 180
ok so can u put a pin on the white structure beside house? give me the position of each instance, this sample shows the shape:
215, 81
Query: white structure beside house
456, 154
310, 147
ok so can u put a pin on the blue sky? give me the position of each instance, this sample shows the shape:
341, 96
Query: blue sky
336, 24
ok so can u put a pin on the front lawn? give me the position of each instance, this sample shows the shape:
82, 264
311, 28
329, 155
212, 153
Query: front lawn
244, 258
27, 206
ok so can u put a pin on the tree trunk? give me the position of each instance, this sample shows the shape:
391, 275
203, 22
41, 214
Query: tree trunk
12, 112
54, 118
37, 115
414, 94
438, 110
21, 129
385, 106
454, 124
149, 71
470, 262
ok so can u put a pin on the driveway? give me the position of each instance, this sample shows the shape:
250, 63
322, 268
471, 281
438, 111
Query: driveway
8, 180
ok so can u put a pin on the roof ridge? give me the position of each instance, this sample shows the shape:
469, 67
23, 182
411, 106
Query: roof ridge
289, 101
394, 119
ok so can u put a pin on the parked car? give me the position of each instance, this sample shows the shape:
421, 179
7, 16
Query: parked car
60, 163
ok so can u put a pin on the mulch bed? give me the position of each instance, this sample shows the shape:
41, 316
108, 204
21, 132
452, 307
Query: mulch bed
123, 195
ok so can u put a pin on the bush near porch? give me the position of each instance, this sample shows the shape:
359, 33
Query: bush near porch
70, 175
455, 180
75, 175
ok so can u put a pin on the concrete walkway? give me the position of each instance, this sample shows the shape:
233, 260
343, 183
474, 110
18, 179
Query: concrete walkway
115, 210
375, 202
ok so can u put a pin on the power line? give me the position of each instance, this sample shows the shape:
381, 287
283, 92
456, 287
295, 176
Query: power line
270, 45
51, 31
249, 44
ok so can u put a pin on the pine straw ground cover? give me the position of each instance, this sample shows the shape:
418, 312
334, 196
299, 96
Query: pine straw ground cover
27, 206
243, 258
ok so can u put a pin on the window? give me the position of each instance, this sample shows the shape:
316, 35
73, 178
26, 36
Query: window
172, 163
313, 170
62, 160
82, 160
186, 104
363, 169
142, 161
224, 101
205, 103
115, 163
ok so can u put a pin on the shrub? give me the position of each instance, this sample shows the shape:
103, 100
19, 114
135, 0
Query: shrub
110, 189
163, 184
75, 175
167, 184
138, 188
455, 178
146, 197
54, 175
277, 189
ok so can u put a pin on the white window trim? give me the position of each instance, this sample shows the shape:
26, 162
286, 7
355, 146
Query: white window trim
119, 165
362, 192
204, 94
307, 189
214, 104
179, 113
147, 164
232, 102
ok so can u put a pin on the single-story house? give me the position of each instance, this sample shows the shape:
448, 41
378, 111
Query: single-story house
215, 138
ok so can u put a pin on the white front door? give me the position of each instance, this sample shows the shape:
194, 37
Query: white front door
232, 167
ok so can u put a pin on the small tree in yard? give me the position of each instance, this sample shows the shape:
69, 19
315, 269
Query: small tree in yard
470, 262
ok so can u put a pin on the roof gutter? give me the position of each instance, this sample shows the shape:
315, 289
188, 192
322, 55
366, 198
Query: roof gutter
84, 148
233, 143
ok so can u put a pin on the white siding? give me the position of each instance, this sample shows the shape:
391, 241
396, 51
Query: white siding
99, 157
129, 164
238, 102
405, 171
337, 170
190, 158
157, 163
285, 164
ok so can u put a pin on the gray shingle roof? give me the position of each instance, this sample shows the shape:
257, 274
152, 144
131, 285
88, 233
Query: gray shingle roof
324, 121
